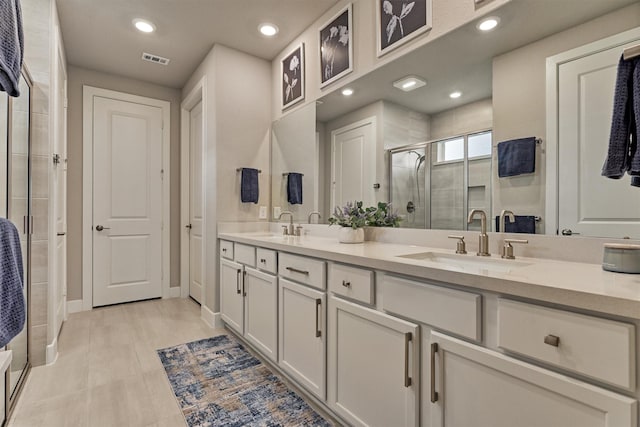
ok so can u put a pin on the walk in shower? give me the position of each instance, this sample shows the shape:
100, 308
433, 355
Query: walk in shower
435, 184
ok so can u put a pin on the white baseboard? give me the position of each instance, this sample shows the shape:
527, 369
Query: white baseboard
52, 352
213, 320
74, 306
174, 292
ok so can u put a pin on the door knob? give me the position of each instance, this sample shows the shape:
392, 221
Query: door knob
188, 226
100, 228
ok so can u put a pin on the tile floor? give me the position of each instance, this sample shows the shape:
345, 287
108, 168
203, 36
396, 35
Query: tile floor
107, 372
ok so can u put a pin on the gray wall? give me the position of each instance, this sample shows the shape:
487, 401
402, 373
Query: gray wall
77, 77
238, 123
519, 110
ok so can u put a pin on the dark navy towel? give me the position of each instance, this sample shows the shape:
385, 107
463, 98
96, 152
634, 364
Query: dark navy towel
523, 224
516, 157
11, 46
634, 151
623, 127
12, 304
294, 188
249, 188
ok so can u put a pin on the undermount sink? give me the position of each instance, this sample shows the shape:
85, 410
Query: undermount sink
470, 263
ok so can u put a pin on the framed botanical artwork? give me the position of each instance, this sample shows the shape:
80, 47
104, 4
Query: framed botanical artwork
336, 47
399, 21
293, 77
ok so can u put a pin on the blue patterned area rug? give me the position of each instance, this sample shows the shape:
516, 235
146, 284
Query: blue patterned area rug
219, 383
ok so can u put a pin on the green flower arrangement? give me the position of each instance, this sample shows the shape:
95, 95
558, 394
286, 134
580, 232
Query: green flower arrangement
355, 216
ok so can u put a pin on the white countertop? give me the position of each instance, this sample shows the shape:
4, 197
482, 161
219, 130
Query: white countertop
574, 284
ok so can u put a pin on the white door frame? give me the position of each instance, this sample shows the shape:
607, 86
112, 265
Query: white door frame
347, 128
553, 69
197, 94
88, 93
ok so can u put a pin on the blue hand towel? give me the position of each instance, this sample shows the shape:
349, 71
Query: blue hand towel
634, 152
523, 224
294, 188
623, 129
516, 157
12, 304
249, 189
11, 46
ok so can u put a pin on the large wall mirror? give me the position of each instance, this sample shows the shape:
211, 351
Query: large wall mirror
435, 156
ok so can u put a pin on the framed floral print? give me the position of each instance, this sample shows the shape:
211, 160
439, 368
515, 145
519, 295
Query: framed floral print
400, 21
293, 77
336, 47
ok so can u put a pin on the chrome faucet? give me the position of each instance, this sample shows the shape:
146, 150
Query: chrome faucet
483, 241
504, 213
312, 214
288, 229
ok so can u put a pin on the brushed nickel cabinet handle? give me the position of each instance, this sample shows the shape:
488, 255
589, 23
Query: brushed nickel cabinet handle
552, 340
244, 277
407, 378
295, 270
434, 393
318, 331
346, 284
238, 291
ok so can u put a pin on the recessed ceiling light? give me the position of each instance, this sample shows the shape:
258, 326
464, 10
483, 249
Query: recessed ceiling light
488, 24
455, 95
268, 30
144, 26
409, 83
347, 92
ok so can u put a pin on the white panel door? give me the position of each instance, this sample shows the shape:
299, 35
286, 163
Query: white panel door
301, 325
354, 164
374, 366
127, 201
590, 204
482, 388
59, 196
261, 311
232, 295
195, 203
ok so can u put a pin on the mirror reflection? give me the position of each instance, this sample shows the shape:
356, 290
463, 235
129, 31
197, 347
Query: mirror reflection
416, 149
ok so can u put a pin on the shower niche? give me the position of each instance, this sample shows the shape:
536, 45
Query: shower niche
435, 184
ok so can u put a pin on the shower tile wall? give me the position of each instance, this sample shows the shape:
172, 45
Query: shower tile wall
37, 18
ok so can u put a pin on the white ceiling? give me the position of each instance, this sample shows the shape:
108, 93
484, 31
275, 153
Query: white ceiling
99, 34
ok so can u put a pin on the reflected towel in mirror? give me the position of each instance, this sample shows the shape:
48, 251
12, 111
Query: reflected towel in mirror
523, 224
11, 46
517, 157
294, 188
12, 304
249, 187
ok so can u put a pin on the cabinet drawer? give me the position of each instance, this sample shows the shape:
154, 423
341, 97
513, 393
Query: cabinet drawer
458, 312
599, 348
226, 249
245, 254
309, 271
267, 260
352, 282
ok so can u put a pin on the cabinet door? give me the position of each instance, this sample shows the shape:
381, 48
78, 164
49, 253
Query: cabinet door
482, 388
302, 327
373, 366
231, 295
261, 311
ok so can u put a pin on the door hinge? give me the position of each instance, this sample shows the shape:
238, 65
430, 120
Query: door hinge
162, 174
56, 159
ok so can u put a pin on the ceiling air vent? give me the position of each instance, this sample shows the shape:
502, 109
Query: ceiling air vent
155, 58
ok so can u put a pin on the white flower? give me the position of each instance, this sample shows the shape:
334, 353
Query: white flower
387, 7
294, 63
344, 35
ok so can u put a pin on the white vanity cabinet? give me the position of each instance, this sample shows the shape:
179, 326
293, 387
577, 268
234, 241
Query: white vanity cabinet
475, 386
302, 332
373, 366
249, 297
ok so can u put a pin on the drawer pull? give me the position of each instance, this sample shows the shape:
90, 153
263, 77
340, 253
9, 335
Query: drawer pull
238, 291
295, 270
346, 284
244, 276
318, 331
552, 340
224, 250
263, 261
434, 393
407, 378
